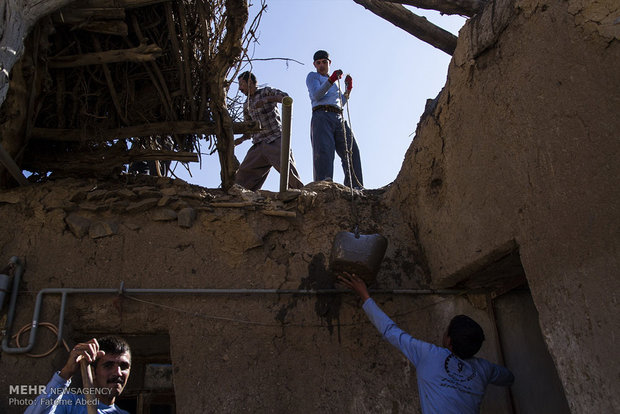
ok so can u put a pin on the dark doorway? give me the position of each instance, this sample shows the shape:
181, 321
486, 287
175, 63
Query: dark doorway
537, 388
150, 387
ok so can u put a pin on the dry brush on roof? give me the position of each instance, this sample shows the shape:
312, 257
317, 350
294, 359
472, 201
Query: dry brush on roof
103, 83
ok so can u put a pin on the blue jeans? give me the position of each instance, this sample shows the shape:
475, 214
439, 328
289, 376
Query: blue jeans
328, 138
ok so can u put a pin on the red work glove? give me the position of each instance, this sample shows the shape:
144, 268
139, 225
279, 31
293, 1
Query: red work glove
349, 82
335, 76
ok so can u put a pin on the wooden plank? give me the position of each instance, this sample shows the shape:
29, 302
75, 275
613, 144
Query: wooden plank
106, 159
142, 53
156, 128
127, 4
69, 15
462, 7
109, 27
12, 167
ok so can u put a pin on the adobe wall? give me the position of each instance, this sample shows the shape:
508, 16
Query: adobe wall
521, 153
230, 352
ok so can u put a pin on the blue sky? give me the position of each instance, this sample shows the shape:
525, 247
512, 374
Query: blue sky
393, 74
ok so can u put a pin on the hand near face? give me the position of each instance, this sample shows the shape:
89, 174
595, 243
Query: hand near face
88, 351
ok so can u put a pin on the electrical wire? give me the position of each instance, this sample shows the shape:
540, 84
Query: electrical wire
275, 325
47, 325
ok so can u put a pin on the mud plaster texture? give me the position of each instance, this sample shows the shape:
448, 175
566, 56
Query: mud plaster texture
230, 353
519, 154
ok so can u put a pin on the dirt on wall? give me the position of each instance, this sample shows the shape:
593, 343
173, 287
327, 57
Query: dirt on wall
518, 158
230, 352
520, 155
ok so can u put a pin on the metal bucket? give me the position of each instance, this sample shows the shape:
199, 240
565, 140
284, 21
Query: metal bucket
358, 253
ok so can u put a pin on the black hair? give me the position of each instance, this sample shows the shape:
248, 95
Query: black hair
113, 345
466, 336
247, 75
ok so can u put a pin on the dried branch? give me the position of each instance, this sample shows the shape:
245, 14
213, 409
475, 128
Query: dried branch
412, 23
142, 53
154, 129
461, 7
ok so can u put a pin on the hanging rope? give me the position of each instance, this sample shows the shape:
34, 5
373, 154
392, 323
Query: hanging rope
348, 144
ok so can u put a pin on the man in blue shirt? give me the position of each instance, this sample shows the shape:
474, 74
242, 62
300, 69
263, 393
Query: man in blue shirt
450, 379
111, 358
327, 133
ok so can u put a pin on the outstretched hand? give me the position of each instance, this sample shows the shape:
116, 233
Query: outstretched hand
355, 283
88, 351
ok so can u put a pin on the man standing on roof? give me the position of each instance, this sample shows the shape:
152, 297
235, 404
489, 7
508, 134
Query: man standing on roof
262, 105
327, 133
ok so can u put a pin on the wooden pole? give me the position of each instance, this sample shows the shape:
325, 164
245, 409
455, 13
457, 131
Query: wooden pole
12, 167
87, 383
285, 146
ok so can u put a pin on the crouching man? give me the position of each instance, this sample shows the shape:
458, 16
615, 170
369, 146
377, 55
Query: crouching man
450, 379
110, 357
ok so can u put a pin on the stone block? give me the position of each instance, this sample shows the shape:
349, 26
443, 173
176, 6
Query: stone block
142, 205
164, 214
77, 224
102, 228
187, 217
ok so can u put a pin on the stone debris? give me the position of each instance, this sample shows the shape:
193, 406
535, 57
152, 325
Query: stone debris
102, 228
140, 206
92, 207
77, 224
169, 191
9, 197
149, 194
127, 193
164, 214
98, 210
165, 200
132, 226
97, 195
186, 218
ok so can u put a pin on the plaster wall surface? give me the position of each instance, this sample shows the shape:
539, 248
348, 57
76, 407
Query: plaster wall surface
230, 353
521, 154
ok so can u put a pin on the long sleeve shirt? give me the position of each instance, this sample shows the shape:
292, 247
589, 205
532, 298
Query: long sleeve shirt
446, 383
323, 92
57, 399
268, 114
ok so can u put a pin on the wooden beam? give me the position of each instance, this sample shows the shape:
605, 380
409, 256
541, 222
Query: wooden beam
102, 161
142, 53
71, 15
127, 4
154, 129
461, 7
418, 26
12, 167
109, 27
136, 154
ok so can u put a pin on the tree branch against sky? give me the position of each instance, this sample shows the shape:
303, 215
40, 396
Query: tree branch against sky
418, 26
